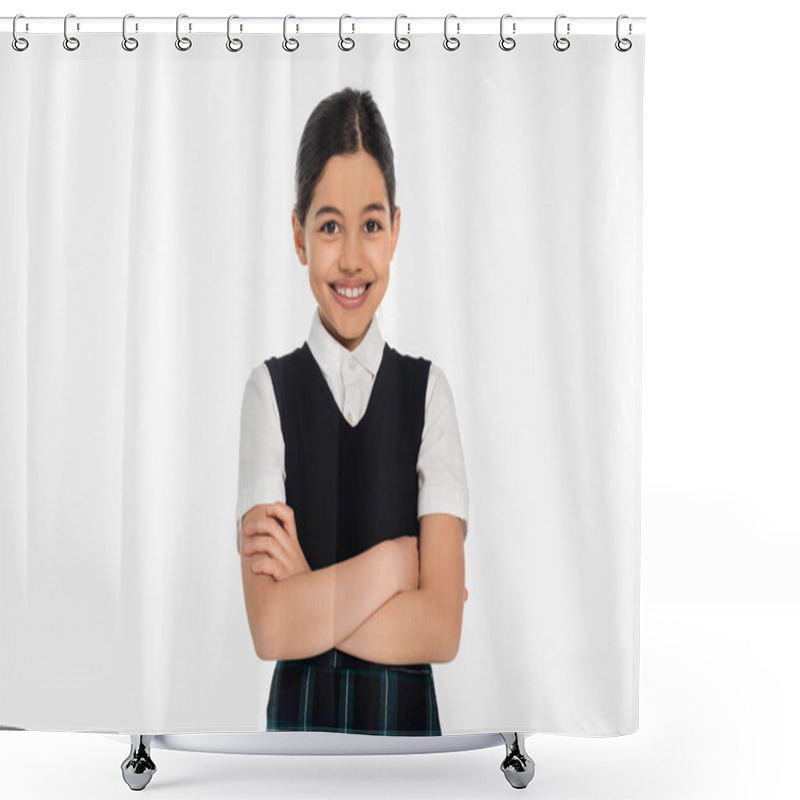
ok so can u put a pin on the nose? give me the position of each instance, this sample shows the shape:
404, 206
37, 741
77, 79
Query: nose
351, 256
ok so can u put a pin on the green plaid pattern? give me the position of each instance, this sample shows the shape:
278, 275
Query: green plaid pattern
340, 693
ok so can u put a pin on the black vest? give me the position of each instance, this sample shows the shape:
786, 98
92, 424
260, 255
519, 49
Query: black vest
350, 487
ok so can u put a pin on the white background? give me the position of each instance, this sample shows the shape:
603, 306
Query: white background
720, 474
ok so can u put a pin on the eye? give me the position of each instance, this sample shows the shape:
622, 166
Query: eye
377, 224
325, 228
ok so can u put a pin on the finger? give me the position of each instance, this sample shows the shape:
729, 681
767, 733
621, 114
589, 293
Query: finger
266, 565
276, 543
260, 543
261, 523
286, 515
280, 535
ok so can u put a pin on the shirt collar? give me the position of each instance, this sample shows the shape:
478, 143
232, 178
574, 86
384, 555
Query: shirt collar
331, 355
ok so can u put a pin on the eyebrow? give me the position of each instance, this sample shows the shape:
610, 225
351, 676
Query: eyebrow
334, 210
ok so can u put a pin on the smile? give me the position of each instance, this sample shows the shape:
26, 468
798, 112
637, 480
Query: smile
351, 296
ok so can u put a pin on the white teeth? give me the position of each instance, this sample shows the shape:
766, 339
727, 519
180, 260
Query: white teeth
351, 292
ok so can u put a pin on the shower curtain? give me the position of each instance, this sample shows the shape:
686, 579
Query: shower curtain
176, 353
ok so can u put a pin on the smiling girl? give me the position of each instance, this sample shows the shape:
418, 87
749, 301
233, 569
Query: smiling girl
352, 506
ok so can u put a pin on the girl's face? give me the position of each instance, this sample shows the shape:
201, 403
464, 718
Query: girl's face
347, 244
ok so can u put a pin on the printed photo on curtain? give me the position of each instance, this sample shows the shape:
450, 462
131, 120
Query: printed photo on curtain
346, 521
371, 314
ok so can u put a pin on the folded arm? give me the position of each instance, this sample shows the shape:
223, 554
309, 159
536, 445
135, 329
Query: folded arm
424, 625
309, 612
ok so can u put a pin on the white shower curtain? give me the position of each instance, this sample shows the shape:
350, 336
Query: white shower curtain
148, 267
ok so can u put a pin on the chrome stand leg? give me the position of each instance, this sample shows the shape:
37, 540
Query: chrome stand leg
517, 766
138, 768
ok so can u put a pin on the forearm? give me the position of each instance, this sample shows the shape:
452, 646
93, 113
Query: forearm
311, 611
410, 628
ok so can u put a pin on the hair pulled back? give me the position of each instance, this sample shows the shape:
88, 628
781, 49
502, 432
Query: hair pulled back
344, 122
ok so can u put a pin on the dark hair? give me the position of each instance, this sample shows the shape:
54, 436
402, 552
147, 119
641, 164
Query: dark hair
344, 122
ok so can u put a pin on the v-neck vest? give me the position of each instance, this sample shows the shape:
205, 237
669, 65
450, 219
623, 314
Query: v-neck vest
350, 487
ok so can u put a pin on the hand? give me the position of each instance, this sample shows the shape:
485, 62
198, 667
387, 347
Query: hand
270, 535
466, 594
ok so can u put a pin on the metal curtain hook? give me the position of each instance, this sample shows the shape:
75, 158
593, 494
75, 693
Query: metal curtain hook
70, 42
406, 43
182, 42
290, 44
350, 42
234, 45
623, 45
507, 42
451, 42
19, 43
128, 42
561, 43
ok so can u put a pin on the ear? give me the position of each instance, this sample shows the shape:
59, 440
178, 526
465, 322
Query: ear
395, 232
299, 236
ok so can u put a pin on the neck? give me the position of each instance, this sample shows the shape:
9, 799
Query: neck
350, 344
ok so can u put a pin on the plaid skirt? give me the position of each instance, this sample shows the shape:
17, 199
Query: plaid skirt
339, 693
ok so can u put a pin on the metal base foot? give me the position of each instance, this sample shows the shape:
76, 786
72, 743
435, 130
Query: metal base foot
138, 768
517, 766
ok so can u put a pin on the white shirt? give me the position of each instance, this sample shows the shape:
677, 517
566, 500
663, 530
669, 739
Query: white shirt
442, 482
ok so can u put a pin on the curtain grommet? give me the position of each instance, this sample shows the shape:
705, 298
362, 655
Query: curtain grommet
342, 39
406, 42
451, 42
507, 42
129, 43
70, 43
183, 43
290, 44
234, 45
561, 43
623, 44
19, 43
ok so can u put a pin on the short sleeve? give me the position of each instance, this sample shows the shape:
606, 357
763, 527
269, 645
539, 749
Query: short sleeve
442, 479
261, 448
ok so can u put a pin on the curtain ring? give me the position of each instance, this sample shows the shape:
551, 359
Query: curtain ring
129, 43
234, 45
397, 38
19, 43
70, 42
507, 42
342, 40
181, 42
561, 43
451, 42
623, 45
290, 45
